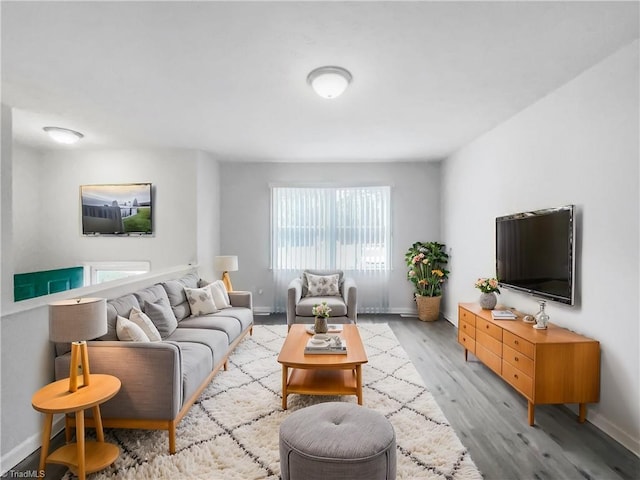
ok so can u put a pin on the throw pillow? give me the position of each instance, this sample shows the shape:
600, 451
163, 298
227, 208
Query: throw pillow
220, 295
162, 316
200, 301
322, 285
128, 331
144, 322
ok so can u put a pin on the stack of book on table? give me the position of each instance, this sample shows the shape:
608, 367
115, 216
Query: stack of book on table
503, 315
326, 344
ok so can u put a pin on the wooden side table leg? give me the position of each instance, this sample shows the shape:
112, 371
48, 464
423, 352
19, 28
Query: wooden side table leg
97, 418
67, 428
531, 413
285, 379
46, 438
82, 474
359, 383
582, 412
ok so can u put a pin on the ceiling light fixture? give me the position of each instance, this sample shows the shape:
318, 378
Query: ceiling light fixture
63, 135
329, 82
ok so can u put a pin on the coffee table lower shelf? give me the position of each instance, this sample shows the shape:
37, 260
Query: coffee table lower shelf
315, 381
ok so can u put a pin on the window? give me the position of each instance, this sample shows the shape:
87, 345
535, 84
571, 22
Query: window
346, 228
100, 272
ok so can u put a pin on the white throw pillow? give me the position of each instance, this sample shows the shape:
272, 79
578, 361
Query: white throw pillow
144, 322
220, 295
128, 331
200, 301
323, 285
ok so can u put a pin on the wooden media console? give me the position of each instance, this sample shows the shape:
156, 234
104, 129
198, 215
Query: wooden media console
554, 365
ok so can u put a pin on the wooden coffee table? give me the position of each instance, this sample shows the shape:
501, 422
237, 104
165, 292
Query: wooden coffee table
318, 374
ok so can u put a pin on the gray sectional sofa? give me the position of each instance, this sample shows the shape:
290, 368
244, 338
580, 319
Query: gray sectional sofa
161, 380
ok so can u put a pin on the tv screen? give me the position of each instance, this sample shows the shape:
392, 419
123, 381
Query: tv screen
118, 209
535, 253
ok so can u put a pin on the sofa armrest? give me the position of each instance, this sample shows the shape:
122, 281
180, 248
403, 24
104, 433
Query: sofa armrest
294, 294
350, 296
241, 298
151, 376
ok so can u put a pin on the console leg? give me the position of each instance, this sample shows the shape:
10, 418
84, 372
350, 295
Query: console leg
531, 413
582, 412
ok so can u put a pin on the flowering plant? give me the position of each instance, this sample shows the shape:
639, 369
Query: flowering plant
426, 263
487, 285
321, 310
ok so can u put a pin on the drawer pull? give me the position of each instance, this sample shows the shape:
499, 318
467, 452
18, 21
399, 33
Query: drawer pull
515, 342
487, 327
516, 359
515, 376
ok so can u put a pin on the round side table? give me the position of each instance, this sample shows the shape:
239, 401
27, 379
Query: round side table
81, 457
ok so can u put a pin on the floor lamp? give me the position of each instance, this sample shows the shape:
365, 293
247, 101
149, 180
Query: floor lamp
226, 264
77, 320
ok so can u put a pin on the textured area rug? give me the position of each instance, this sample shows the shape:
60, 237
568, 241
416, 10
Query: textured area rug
231, 432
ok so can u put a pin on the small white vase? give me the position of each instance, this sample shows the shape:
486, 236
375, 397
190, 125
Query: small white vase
488, 301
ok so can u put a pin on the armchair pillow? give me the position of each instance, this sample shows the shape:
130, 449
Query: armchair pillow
220, 295
322, 285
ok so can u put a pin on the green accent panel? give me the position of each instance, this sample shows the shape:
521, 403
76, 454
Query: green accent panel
36, 284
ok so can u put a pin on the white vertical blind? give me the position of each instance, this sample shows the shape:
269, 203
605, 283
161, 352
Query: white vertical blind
346, 228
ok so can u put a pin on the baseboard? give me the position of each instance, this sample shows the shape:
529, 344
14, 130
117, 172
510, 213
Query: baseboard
26, 448
619, 435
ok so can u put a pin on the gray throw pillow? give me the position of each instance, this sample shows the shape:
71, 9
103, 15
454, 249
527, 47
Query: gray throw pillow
162, 317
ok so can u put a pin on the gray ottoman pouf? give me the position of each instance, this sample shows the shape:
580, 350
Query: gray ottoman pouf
337, 441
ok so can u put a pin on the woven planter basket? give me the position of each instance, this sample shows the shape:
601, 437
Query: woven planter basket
428, 308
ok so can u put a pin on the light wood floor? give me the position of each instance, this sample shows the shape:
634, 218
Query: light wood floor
488, 415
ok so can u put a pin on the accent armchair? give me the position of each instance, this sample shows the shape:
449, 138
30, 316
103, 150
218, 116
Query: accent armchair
317, 286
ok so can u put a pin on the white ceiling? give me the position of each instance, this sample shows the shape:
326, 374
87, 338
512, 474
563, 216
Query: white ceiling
230, 77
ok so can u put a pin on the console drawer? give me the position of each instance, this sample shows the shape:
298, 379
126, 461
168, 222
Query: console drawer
519, 344
518, 360
491, 360
467, 316
490, 343
489, 328
466, 341
468, 329
522, 382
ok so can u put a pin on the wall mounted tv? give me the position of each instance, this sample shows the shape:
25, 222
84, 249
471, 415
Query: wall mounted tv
535, 253
117, 209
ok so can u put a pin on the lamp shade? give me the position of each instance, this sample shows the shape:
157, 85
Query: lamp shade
77, 319
226, 263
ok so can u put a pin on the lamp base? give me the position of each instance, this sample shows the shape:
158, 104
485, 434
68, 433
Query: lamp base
79, 361
226, 279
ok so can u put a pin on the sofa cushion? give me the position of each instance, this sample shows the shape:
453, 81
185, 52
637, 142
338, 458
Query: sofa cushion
162, 316
129, 332
220, 295
151, 295
243, 315
200, 301
305, 306
144, 322
176, 294
217, 341
118, 306
197, 364
322, 285
232, 327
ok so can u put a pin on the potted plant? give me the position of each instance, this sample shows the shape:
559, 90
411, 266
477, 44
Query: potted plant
426, 262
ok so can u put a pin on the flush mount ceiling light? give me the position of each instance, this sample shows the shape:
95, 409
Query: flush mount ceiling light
329, 82
63, 135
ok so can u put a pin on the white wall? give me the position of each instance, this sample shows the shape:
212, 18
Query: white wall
578, 145
208, 213
415, 197
60, 242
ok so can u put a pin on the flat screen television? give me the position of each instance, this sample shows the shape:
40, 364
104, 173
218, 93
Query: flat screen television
535, 253
117, 209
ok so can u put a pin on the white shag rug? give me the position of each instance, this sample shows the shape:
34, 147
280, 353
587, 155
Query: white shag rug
231, 432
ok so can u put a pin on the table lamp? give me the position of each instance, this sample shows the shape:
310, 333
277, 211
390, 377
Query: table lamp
226, 264
76, 320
